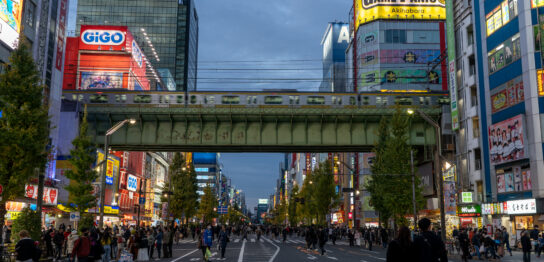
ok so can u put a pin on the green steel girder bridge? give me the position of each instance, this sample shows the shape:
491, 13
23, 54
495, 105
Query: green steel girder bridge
250, 122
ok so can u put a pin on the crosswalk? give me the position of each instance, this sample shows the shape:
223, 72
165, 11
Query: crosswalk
277, 241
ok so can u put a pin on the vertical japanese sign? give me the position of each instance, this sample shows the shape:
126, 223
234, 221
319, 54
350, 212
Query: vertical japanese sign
452, 80
61, 32
541, 32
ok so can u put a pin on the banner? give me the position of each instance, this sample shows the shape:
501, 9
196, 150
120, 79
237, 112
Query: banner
50, 195
452, 67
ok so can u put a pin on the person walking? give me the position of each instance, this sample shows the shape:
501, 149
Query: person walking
152, 243
82, 247
170, 241
506, 240
464, 242
25, 249
534, 238
223, 240
322, 239
58, 240
401, 248
165, 243
476, 243
526, 246
106, 241
70, 241
427, 245
158, 242
369, 239
206, 242
351, 237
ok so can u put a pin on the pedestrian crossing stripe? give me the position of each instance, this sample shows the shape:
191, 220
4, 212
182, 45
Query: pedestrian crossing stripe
253, 240
237, 240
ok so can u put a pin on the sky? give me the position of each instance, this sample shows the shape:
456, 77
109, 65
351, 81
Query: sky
252, 35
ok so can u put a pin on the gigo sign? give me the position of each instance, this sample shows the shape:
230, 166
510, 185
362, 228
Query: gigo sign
132, 183
103, 37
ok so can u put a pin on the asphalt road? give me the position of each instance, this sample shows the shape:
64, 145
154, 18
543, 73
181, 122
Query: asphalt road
294, 249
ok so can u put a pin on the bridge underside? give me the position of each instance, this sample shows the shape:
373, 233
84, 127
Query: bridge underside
248, 129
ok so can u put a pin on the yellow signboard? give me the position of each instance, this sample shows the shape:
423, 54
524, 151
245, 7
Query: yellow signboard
370, 10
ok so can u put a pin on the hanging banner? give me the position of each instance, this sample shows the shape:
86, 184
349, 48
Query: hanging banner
452, 78
50, 195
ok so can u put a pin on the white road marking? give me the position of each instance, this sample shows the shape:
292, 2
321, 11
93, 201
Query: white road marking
262, 241
333, 258
237, 240
184, 255
275, 254
195, 259
312, 258
253, 240
241, 257
277, 241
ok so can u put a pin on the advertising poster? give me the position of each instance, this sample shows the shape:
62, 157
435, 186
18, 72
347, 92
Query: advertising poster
369, 58
11, 12
410, 76
450, 198
526, 177
507, 95
506, 140
415, 56
537, 3
370, 78
425, 173
368, 39
509, 182
500, 184
368, 11
504, 54
112, 166
50, 195
518, 186
101, 80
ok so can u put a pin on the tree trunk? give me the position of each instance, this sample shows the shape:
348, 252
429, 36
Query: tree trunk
3, 212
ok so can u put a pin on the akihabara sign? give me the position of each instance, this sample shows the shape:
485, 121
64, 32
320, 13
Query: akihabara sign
50, 195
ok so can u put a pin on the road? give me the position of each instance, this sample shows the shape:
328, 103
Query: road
294, 249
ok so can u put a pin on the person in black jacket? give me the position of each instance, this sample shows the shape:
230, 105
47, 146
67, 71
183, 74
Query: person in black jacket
322, 239
25, 248
526, 246
428, 246
401, 248
464, 242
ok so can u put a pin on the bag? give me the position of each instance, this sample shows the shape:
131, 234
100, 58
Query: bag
501, 251
482, 249
143, 254
208, 254
125, 257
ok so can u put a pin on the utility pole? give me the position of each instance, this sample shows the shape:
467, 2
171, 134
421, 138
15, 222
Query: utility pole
413, 188
39, 201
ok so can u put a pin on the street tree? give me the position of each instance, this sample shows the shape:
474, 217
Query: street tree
24, 125
82, 174
391, 183
292, 207
208, 205
324, 195
183, 183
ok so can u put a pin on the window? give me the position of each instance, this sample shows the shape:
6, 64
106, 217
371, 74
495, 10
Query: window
98, 99
425, 36
336, 100
381, 101
475, 127
273, 100
120, 98
251, 100
30, 13
394, 36
181, 99
141, 99
315, 100
164, 99
193, 100
294, 100
366, 100
403, 100
444, 101
230, 100
209, 100
352, 100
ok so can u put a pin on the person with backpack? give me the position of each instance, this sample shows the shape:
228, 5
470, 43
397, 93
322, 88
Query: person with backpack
401, 248
82, 247
427, 245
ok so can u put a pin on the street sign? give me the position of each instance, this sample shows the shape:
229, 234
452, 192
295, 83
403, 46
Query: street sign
222, 210
74, 216
141, 201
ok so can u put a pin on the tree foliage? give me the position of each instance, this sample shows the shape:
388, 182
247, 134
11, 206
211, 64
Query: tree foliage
391, 183
27, 220
292, 207
24, 126
184, 199
208, 204
82, 175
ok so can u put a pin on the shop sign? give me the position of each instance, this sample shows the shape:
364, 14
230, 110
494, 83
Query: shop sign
111, 210
466, 197
526, 206
50, 195
494, 208
469, 211
12, 215
132, 183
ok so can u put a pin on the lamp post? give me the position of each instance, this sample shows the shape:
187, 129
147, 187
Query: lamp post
438, 167
110, 132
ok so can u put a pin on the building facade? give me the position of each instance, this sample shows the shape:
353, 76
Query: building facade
166, 30
334, 42
208, 170
511, 106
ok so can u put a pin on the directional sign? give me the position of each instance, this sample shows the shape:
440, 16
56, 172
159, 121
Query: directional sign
222, 210
74, 216
142, 201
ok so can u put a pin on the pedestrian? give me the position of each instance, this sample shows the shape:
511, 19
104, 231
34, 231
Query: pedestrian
464, 243
385, 238
143, 250
526, 246
322, 239
476, 243
170, 241
114, 245
106, 240
351, 237
428, 246
284, 234
223, 240
401, 248
70, 241
206, 242
506, 240
158, 242
82, 247
58, 240
369, 239
132, 244
152, 242
165, 242
534, 238
25, 249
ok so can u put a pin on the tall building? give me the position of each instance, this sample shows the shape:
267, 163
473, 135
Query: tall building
208, 170
334, 42
510, 87
468, 150
166, 30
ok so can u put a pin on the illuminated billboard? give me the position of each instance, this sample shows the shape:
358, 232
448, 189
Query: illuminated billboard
370, 10
10, 22
101, 80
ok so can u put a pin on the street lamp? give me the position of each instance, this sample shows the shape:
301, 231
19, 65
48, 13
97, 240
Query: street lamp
110, 132
438, 166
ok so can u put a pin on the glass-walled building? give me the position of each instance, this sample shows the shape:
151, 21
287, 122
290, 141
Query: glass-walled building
166, 30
